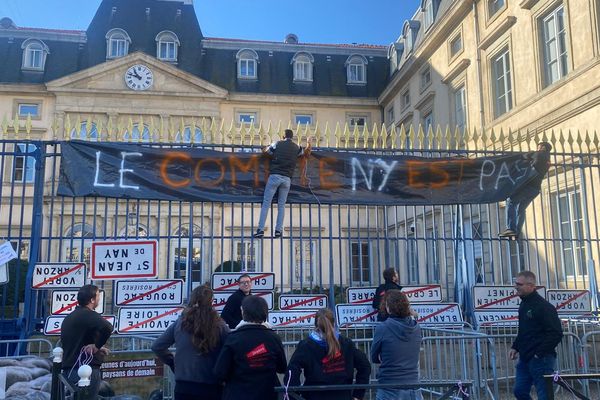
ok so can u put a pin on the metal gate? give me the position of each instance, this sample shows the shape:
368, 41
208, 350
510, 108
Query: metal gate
325, 248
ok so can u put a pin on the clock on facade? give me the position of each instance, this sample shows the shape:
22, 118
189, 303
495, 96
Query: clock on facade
139, 77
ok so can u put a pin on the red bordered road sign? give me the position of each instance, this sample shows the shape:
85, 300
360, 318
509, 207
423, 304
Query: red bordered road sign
65, 301
58, 276
438, 314
570, 301
149, 293
220, 298
499, 297
124, 259
53, 323
302, 301
137, 320
227, 281
292, 319
351, 314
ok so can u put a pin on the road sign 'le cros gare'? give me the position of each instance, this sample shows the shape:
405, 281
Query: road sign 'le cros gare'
124, 259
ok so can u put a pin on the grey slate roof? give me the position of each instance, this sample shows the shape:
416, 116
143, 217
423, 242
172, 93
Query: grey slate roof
211, 59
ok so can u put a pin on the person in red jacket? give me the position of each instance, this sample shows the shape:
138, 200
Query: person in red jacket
327, 358
251, 356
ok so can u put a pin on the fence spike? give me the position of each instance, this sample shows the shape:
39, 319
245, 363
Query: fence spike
28, 126
384, 136
4, 126
99, 129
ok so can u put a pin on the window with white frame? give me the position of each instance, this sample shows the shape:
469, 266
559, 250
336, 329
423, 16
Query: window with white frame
187, 136
303, 118
494, 6
408, 32
35, 53
502, 83
247, 117
393, 57
412, 258
247, 254
567, 227
139, 135
360, 262
460, 108
247, 62
389, 115
360, 121
305, 255
87, 131
405, 98
77, 243
167, 44
29, 109
428, 13
455, 45
117, 43
554, 39
356, 69
427, 121
303, 67
24, 165
425, 77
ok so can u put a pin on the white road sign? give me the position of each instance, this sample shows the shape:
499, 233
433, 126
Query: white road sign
438, 313
499, 297
58, 276
227, 281
302, 301
570, 301
350, 314
149, 293
65, 301
220, 298
292, 319
147, 319
124, 259
7, 253
3, 274
360, 295
423, 294
53, 323
497, 317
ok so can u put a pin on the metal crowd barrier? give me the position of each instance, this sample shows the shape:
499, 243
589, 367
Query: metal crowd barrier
19, 348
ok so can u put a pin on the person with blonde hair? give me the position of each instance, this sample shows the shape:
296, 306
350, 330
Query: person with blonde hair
396, 346
198, 335
328, 358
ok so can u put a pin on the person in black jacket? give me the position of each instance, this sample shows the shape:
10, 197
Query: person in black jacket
198, 335
251, 356
540, 331
390, 276
232, 312
327, 358
284, 156
83, 335
517, 203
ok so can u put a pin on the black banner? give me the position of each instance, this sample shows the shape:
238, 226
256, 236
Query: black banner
142, 172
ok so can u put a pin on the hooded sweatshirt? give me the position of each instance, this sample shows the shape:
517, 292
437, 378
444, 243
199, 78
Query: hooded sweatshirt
396, 345
311, 358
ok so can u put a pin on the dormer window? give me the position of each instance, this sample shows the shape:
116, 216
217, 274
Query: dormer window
117, 43
409, 32
429, 9
356, 69
394, 55
167, 44
303, 67
247, 62
34, 55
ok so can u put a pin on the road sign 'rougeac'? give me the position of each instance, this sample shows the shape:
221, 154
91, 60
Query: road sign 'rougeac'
226, 281
65, 301
149, 293
124, 259
58, 276
53, 323
220, 298
136, 320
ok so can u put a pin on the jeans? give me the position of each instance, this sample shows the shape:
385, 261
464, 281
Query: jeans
532, 373
515, 210
398, 394
89, 392
275, 182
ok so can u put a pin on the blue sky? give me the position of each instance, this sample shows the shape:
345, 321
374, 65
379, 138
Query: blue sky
319, 21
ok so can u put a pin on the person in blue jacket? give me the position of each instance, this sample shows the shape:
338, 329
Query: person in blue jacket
396, 346
198, 335
328, 358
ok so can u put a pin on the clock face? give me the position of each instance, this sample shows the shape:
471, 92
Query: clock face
139, 77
